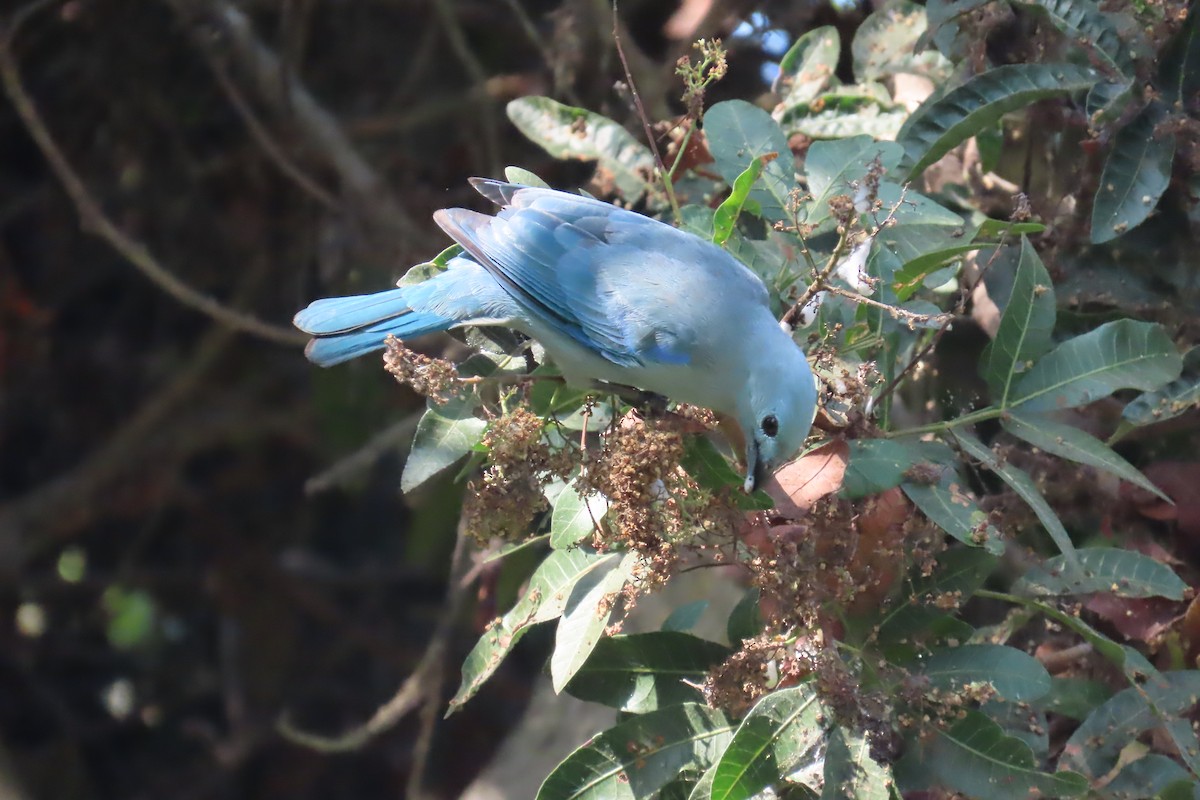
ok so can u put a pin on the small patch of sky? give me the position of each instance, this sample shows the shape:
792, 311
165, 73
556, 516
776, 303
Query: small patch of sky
775, 42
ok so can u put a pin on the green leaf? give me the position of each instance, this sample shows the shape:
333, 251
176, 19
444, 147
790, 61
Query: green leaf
524, 177
642, 672
713, 471
635, 759
1146, 777
1125, 573
744, 621
574, 133
1075, 697
1071, 443
686, 616
544, 599
850, 772
445, 434
838, 116
949, 506
1180, 790
995, 228
731, 207
937, 127
784, 729
977, 758
1087, 25
1107, 100
1020, 482
419, 273
876, 465
703, 788
808, 66
1179, 70
1136, 173
1132, 663
739, 133
911, 277
943, 11
1096, 744
1025, 328
584, 619
1015, 675
1125, 354
574, 518
1171, 400
885, 44
831, 166
940, 12
959, 574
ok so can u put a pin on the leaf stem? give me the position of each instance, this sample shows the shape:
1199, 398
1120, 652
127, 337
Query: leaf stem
982, 415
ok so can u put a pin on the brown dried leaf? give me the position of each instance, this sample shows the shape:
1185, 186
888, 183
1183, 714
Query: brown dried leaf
796, 486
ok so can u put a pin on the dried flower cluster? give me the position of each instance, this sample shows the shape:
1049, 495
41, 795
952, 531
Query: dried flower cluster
504, 500
637, 469
435, 378
698, 77
755, 669
655, 507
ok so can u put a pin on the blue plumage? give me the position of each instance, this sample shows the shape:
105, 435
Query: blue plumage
612, 296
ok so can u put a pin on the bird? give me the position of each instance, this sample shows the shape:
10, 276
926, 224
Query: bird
614, 297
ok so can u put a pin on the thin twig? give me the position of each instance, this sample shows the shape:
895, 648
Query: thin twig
266, 141
477, 74
959, 309
895, 311
365, 191
94, 221
418, 686
792, 316
663, 174
75, 492
535, 37
390, 438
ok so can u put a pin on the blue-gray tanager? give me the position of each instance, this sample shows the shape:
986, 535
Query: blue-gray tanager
612, 296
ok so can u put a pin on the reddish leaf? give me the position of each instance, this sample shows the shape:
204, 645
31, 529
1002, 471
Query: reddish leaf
1138, 619
1178, 480
796, 486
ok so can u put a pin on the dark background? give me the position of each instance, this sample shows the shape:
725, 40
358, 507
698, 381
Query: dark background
178, 563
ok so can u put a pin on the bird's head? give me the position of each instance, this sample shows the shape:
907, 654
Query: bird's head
776, 409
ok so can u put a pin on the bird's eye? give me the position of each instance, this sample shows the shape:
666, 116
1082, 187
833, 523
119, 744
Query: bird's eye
770, 425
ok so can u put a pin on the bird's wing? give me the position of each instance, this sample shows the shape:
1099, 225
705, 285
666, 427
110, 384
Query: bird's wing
607, 278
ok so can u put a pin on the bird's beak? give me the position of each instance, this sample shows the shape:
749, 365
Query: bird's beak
757, 470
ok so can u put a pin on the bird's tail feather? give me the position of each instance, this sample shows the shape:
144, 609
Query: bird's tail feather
347, 327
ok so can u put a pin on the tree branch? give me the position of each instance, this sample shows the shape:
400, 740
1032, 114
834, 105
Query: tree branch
93, 219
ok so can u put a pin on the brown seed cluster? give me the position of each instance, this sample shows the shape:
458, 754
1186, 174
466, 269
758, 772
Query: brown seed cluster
749, 673
504, 500
435, 378
637, 469
655, 507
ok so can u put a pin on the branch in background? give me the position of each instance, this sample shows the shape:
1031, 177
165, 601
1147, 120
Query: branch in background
423, 685
266, 141
477, 74
144, 437
392, 438
288, 98
663, 174
93, 219
561, 86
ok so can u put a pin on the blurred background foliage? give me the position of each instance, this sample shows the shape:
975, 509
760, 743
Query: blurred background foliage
199, 531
